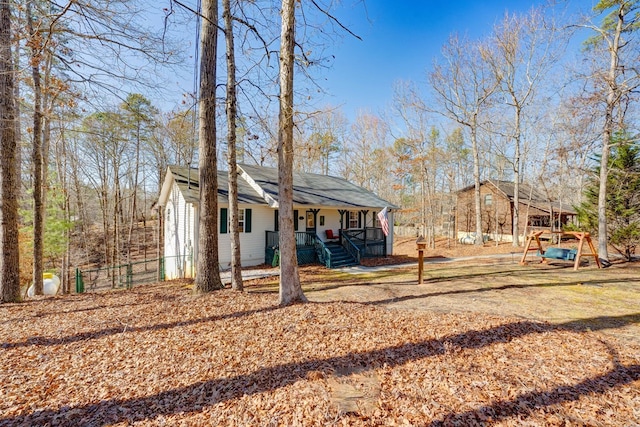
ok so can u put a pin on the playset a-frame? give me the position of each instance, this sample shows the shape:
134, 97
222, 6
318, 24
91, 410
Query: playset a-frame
561, 253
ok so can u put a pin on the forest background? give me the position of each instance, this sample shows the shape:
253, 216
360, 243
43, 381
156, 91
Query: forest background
531, 100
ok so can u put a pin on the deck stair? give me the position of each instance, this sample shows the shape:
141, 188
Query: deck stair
339, 256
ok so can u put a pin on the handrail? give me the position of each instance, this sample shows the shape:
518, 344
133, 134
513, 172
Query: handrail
324, 254
357, 233
351, 247
303, 238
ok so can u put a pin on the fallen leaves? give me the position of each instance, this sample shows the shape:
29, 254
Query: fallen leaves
158, 355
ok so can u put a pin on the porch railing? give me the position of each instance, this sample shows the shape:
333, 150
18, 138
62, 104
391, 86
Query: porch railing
324, 254
351, 247
303, 238
371, 241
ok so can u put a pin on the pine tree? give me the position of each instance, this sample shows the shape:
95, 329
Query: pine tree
622, 199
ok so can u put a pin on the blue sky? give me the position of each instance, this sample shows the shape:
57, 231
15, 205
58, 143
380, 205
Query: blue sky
400, 40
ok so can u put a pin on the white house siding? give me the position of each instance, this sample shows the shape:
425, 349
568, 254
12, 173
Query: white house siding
331, 222
179, 236
252, 245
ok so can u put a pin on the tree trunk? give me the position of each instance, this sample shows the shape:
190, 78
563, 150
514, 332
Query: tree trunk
134, 193
290, 289
516, 181
36, 157
476, 182
16, 91
611, 101
9, 251
232, 111
208, 266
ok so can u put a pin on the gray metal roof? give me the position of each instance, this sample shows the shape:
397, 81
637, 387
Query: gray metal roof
308, 189
317, 190
189, 184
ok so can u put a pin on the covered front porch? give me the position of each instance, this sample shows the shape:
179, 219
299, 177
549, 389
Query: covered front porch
348, 249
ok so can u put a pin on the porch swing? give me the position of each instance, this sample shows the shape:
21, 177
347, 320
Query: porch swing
562, 254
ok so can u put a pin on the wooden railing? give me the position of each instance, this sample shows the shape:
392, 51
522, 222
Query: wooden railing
303, 238
324, 254
371, 239
351, 247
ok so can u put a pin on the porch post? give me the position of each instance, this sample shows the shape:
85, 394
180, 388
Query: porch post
364, 215
341, 212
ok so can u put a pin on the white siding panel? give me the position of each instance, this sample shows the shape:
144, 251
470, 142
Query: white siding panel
179, 235
331, 222
252, 245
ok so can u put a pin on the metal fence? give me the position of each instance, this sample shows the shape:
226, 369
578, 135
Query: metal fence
123, 276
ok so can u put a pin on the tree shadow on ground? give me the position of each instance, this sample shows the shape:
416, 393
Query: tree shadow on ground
194, 397
318, 285
487, 288
44, 314
97, 334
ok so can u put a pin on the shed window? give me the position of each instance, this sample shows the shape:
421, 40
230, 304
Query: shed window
488, 199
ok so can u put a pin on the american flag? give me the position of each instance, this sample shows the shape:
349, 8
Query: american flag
384, 221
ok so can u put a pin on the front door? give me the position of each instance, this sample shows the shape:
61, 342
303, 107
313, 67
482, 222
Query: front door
311, 221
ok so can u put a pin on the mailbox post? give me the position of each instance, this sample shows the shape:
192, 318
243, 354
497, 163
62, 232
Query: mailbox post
422, 245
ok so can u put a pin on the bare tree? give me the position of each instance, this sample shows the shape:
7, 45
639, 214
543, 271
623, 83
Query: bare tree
368, 132
208, 266
290, 288
9, 252
463, 86
320, 141
232, 111
523, 49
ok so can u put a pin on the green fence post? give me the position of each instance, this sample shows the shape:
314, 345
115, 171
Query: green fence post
79, 282
161, 270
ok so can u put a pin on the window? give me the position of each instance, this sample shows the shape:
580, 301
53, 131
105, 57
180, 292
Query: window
488, 199
311, 220
241, 220
244, 221
353, 219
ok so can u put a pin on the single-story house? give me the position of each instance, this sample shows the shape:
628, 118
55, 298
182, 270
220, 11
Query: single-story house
536, 211
335, 221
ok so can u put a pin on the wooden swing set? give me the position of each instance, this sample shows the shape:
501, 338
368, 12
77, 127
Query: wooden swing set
560, 253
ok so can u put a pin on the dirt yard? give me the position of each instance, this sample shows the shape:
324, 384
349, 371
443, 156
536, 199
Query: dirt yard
485, 342
607, 300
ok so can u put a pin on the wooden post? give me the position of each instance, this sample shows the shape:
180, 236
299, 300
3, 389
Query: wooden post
422, 244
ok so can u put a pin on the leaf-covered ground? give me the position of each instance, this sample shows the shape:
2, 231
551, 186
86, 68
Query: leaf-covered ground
160, 355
